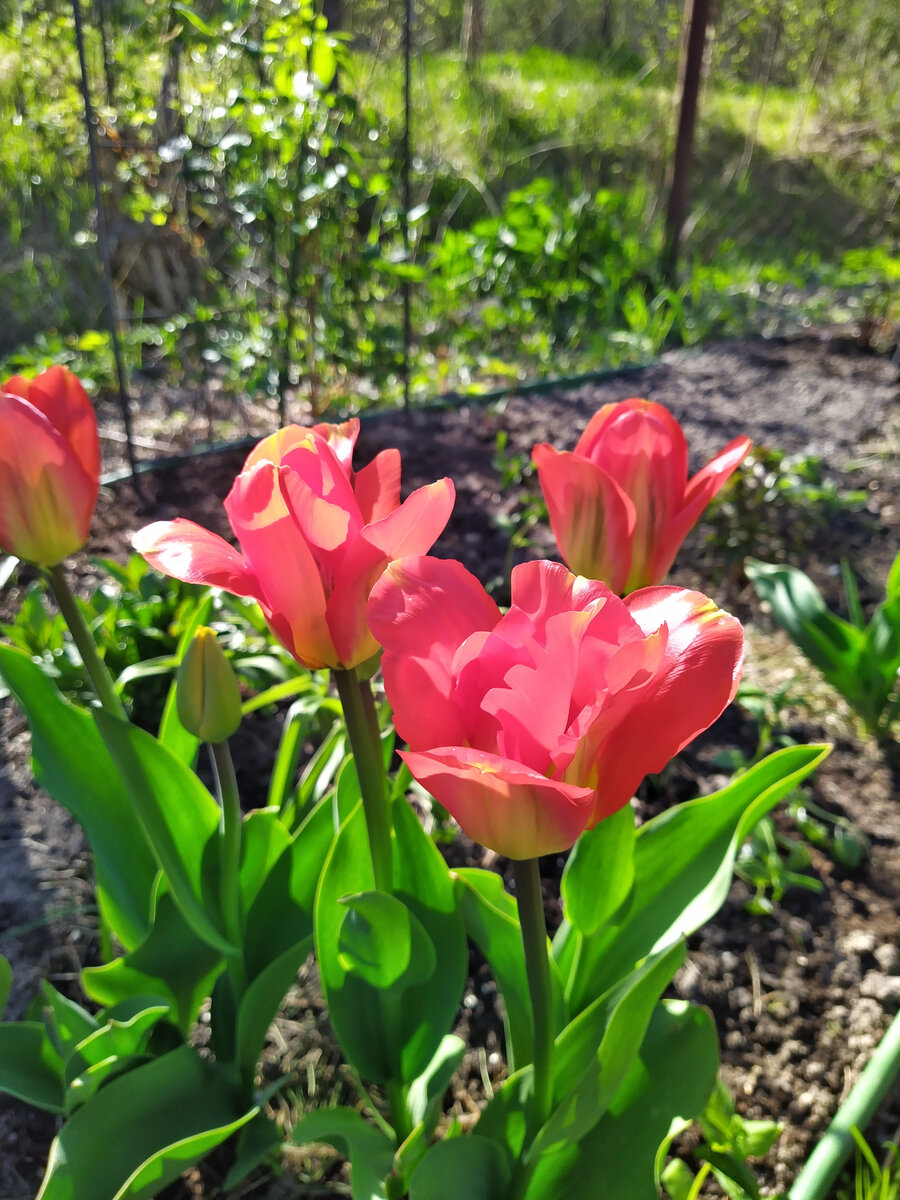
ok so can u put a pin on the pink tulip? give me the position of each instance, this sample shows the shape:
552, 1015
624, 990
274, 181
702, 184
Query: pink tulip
533, 725
621, 504
49, 466
315, 535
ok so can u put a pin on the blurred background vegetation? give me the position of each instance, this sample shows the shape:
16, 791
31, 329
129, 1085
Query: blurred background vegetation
251, 157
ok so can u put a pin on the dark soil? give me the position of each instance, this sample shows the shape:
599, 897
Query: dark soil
800, 996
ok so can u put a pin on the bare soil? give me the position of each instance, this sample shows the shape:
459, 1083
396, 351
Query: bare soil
800, 996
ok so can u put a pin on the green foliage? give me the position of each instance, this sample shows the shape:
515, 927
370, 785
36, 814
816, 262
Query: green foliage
776, 499
860, 660
266, 169
730, 1140
869, 1178
140, 617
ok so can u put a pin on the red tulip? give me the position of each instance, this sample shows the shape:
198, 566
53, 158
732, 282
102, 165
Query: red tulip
621, 504
49, 466
531, 726
315, 535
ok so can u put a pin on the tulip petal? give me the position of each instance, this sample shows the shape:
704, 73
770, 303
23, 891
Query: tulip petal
283, 563
422, 610
696, 679
414, 527
189, 552
48, 497
59, 395
273, 448
377, 486
345, 610
701, 489
341, 440
592, 518
517, 812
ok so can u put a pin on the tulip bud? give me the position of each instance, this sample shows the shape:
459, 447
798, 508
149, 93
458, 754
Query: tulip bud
207, 693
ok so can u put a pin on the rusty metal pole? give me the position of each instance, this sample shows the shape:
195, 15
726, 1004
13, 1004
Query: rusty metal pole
696, 20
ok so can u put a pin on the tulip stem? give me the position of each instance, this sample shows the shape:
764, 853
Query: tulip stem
84, 640
527, 878
365, 742
230, 894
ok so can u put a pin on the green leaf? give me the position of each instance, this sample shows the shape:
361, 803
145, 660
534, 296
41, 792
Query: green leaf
677, 1179
684, 859
595, 1052
423, 882
599, 872
390, 1034
142, 1129
193, 18
479, 1169
835, 646
5, 983
116, 1047
892, 587
256, 1142
73, 765
370, 1151
31, 1067
667, 1085
263, 841
382, 942
323, 61
492, 922
67, 1023
426, 1092
173, 962
279, 922
181, 820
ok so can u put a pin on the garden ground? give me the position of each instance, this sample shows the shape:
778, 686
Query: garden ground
801, 995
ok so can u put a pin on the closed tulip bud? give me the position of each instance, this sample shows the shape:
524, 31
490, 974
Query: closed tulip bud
49, 466
207, 693
621, 503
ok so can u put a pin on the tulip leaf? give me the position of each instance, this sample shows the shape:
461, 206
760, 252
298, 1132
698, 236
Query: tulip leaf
263, 840
67, 1023
426, 1092
118, 1046
73, 765
492, 922
606, 1038
382, 942
668, 1085
505, 1117
370, 1151
279, 878
390, 1033
353, 1006
478, 1167
181, 820
683, 860
30, 1065
599, 872
173, 962
423, 882
140, 1131
861, 662
5, 983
